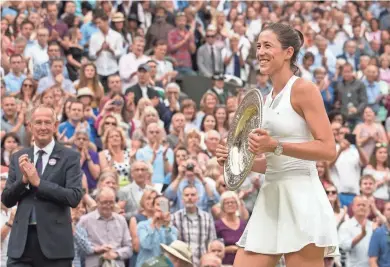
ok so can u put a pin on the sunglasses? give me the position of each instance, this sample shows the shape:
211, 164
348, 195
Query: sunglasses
378, 145
27, 85
331, 192
110, 123
210, 36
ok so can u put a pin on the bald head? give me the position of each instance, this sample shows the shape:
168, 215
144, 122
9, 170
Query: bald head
210, 260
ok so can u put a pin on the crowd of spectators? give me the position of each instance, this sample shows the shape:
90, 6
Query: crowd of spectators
154, 192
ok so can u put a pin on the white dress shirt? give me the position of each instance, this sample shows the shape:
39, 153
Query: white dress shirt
45, 157
345, 173
144, 90
37, 53
128, 64
357, 256
106, 63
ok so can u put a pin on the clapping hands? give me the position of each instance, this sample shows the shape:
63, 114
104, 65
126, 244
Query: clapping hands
30, 174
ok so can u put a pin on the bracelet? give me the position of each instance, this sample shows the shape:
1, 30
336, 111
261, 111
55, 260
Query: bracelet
8, 224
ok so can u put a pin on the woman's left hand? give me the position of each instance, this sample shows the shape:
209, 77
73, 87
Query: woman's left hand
260, 142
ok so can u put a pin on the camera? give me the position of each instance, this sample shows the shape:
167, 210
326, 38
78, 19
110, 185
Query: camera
190, 167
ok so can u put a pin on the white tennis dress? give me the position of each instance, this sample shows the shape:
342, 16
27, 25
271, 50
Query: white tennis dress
292, 209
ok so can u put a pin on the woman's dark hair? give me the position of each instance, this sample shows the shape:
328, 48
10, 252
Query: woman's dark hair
332, 115
288, 37
226, 122
64, 116
373, 161
5, 137
34, 89
204, 119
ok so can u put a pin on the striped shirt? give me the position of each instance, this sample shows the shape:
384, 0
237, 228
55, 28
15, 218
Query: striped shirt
197, 230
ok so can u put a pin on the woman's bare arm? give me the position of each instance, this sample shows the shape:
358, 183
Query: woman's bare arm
307, 102
260, 164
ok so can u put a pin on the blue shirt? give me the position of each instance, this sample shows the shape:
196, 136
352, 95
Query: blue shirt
150, 240
13, 83
380, 246
146, 154
9, 11
204, 202
70, 129
87, 30
43, 70
373, 91
328, 103
47, 82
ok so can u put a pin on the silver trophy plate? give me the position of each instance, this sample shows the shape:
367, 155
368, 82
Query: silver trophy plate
240, 161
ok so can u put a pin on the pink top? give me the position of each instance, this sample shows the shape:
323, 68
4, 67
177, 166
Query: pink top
384, 75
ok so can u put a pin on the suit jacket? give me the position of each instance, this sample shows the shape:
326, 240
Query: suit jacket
130, 193
356, 58
59, 189
136, 89
204, 61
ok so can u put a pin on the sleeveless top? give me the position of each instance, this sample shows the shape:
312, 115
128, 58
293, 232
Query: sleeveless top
122, 168
285, 125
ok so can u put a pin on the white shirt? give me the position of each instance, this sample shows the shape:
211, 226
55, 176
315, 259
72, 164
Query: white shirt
345, 173
163, 66
4, 216
45, 157
144, 90
128, 64
37, 53
358, 255
106, 63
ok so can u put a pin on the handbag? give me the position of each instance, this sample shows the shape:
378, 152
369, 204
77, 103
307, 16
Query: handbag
107, 263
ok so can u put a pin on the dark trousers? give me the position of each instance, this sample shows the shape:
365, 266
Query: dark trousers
33, 256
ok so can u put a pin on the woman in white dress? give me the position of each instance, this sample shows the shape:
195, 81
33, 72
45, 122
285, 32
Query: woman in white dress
292, 215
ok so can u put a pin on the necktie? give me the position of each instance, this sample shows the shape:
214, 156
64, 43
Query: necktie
237, 67
39, 167
212, 59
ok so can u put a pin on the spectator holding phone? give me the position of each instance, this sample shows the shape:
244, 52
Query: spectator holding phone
155, 231
191, 174
346, 168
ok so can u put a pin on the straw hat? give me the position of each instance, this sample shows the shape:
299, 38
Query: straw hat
85, 91
180, 250
118, 17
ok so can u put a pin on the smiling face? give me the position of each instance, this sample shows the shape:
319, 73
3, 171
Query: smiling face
270, 54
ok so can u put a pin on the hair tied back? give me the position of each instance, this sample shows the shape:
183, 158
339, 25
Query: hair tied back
300, 37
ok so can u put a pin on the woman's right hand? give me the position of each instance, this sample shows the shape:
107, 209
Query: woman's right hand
222, 153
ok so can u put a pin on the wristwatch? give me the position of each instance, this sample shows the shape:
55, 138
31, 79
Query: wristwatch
279, 149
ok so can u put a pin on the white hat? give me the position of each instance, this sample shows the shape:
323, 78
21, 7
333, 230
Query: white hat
85, 91
180, 250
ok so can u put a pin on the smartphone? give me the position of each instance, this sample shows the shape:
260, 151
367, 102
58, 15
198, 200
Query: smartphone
351, 138
164, 205
117, 102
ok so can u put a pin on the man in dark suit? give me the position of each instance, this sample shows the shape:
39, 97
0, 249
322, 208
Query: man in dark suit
44, 181
142, 88
351, 54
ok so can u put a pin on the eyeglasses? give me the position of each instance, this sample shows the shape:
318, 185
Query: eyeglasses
28, 85
230, 202
331, 192
110, 123
378, 145
154, 132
